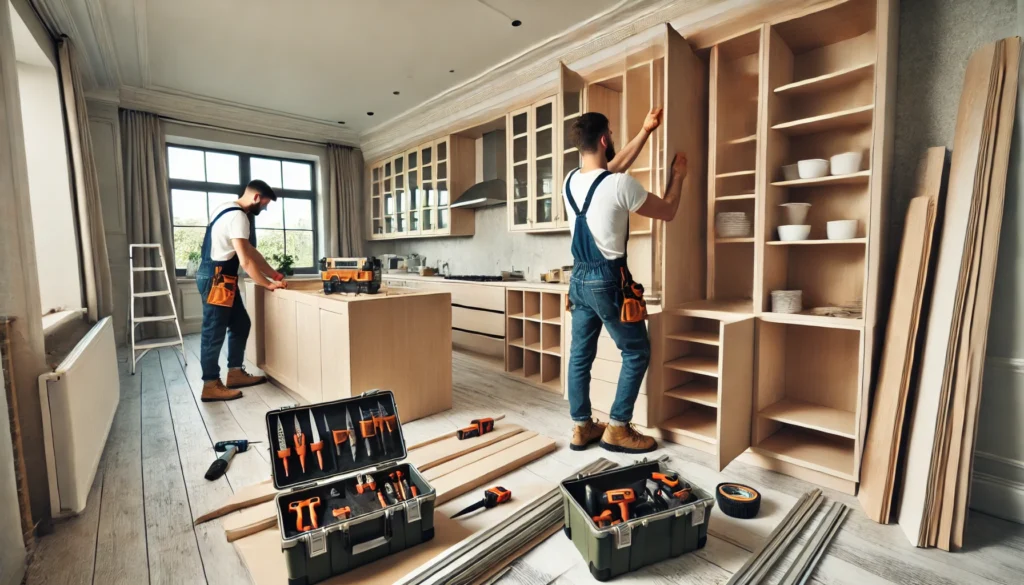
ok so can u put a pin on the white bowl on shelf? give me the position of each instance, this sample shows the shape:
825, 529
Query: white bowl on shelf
796, 213
794, 233
812, 168
790, 172
846, 163
842, 229
787, 301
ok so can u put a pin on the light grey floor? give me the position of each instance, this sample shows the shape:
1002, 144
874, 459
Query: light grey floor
138, 528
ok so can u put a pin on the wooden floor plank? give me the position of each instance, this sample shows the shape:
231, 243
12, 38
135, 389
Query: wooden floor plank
195, 450
68, 554
121, 536
170, 539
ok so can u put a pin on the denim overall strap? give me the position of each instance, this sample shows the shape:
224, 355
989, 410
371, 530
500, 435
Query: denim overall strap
208, 265
588, 261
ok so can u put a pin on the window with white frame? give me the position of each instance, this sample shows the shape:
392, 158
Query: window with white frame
203, 179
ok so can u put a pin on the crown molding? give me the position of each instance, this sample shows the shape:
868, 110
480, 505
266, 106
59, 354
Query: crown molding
232, 116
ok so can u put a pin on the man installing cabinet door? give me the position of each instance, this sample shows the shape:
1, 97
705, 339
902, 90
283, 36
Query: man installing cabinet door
599, 198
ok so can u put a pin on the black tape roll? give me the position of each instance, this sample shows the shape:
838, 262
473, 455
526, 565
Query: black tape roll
737, 500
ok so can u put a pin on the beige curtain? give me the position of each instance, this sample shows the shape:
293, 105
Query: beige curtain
99, 288
344, 207
148, 211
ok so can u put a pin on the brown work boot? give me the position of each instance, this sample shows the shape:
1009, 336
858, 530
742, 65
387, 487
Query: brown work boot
585, 434
214, 391
626, 439
239, 378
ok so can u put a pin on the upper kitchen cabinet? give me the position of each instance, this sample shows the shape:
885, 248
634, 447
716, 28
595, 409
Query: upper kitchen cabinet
535, 150
411, 194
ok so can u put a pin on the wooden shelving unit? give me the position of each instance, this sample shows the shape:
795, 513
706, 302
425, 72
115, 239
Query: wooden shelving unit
861, 177
533, 333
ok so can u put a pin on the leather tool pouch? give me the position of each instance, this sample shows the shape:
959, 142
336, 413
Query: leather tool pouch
634, 307
223, 289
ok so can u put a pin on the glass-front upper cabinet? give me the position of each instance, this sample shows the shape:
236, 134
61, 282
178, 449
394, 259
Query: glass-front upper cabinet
442, 182
389, 199
412, 184
401, 196
376, 223
534, 160
428, 193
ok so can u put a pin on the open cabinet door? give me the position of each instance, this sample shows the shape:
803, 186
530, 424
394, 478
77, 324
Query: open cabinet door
570, 106
679, 250
735, 388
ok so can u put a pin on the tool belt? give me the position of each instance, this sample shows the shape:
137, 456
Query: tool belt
634, 307
223, 289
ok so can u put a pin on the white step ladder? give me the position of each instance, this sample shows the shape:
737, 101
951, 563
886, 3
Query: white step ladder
146, 345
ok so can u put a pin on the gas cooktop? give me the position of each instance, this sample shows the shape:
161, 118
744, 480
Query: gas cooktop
474, 277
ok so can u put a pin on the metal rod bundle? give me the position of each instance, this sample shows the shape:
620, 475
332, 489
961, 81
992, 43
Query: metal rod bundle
800, 571
758, 565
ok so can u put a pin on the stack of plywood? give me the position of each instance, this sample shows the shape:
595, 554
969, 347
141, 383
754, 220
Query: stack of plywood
940, 451
882, 446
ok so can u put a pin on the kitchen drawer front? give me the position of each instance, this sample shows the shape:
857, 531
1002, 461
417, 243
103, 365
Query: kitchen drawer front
478, 321
602, 394
608, 371
479, 297
607, 350
482, 344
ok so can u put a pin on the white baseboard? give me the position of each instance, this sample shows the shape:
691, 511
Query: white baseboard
998, 497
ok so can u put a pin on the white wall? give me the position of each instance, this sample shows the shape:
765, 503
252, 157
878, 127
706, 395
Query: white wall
12, 547
49, 183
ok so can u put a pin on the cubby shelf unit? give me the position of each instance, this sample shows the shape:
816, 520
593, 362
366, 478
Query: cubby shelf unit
533, 330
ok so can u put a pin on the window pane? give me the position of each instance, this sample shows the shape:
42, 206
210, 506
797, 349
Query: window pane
519, 124
189, 207
544, 210
271, 217
298, 214
520, 178
543, 147
297, 176
544, 116
442, 151
412, 160
187, 240
442, 194
218, 199
270, 242
183, 163
399, 166
425, 155
544, 177
300, 246
267, 170
222, 168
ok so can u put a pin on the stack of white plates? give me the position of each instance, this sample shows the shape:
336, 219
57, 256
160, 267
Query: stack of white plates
732, 224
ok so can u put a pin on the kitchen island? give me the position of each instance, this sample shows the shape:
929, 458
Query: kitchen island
328, 347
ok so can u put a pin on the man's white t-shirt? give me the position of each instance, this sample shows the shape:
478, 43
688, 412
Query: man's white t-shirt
234, 225
608, 215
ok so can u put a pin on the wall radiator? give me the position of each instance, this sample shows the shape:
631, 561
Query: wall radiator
79, 399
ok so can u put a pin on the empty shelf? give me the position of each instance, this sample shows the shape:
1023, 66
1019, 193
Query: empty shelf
734, 240
699, 391
517, 342
699, 423
735, 174
824, 453
739, 197
812, 416
533, 346
813, 320
718, 309
846, 118
817, 242
704, 337
695, 364
743, 140
851, 179
829, 80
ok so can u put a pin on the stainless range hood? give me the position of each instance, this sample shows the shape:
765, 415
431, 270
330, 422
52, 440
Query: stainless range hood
490, 189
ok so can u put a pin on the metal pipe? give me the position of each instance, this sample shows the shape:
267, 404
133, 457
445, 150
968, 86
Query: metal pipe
740, 575
799, 565
782, 545
824, 546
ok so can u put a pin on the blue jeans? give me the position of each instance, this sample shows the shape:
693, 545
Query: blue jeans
595, 303
217, 323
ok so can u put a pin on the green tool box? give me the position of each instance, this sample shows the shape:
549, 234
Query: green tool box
353, 501
642, 540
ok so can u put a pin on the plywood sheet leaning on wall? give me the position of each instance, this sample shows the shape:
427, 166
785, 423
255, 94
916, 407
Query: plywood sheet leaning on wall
881, 450
937, 480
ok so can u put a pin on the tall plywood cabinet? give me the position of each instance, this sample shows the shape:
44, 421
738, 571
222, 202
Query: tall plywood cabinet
809, 87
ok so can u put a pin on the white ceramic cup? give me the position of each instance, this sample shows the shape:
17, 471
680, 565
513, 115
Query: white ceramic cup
842, 229
790, 172
794, 233
796, 213
846, 163
812, 168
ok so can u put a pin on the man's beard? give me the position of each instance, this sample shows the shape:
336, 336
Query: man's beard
609, 152
253, 210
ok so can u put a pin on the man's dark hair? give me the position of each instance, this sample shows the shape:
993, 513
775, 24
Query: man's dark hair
262, 188
587, 130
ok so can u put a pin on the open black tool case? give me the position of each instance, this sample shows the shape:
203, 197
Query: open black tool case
362, 505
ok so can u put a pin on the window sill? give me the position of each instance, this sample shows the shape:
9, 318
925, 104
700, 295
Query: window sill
52, 321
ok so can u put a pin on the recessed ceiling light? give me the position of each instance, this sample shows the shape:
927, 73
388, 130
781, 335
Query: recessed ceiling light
341, 122
369, 113
451, 71
517, 22
395, 92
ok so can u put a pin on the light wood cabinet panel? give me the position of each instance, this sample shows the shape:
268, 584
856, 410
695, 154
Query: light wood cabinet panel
280, 347
337, 371
735, 389
482, 344
308, 372
478, 321
254, 307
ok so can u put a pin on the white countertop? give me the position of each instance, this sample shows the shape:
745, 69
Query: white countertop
514, 284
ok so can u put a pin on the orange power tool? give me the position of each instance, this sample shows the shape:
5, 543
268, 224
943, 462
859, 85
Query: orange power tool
479, 427
623, 498
312, 504
300, 444
671, 480
606, 519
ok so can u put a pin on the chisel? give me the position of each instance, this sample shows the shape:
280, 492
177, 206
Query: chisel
317, 444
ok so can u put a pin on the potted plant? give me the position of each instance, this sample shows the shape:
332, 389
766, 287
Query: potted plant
194, 258
284, 263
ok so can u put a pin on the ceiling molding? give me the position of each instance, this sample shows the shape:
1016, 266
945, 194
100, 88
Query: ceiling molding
232, 116
105, 42
142, 41
57, 17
